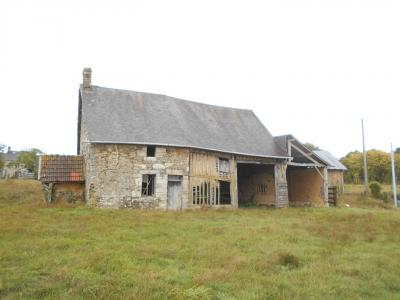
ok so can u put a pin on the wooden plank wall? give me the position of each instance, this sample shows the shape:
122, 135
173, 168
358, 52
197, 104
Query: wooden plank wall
204, 177
203, 165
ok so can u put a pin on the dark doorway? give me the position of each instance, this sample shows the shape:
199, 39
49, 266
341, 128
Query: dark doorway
256, 184
225, 192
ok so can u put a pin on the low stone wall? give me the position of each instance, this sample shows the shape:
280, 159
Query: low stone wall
69, 192
139, 202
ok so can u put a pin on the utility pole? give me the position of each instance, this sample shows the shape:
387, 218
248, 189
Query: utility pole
393, 177
365, 160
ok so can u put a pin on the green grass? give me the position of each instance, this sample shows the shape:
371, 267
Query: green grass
354, 196
79, 253
359, 188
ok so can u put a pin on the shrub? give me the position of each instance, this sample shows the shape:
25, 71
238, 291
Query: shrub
288, 260
385, 197
376, 189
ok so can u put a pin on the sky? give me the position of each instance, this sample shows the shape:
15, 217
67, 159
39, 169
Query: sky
309, 68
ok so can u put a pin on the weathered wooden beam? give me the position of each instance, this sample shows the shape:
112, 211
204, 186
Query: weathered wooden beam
319, 172
281, 188
305, 154
295, 164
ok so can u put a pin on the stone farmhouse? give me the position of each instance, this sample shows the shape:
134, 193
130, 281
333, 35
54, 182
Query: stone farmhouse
11, 168
143, 150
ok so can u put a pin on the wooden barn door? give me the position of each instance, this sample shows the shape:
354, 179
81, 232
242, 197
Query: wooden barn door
174, 201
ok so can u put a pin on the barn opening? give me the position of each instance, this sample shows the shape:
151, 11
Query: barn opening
305, 186
256, 184
306, 173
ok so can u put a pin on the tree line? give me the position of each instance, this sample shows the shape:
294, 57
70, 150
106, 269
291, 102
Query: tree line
379, 166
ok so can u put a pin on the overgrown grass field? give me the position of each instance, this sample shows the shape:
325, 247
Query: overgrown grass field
77, 252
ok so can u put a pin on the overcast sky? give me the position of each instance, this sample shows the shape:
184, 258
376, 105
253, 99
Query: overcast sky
309, 68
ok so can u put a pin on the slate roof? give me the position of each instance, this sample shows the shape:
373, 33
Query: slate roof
333, 162
128, 117
10, 155
61, 168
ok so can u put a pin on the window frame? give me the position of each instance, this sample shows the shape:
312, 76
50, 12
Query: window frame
226, 170
150, 181
152, 150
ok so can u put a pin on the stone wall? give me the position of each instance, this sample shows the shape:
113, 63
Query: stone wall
68, 192
114, 173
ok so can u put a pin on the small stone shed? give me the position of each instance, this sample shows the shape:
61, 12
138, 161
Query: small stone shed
144, 150
62, 178
335, 169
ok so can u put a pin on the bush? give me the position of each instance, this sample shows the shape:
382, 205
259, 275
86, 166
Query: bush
385, 197
376, 189
288, 260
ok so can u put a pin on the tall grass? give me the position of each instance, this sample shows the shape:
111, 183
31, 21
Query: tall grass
77, 253
355, 197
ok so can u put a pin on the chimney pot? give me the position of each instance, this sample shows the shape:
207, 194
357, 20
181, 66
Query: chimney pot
87, 78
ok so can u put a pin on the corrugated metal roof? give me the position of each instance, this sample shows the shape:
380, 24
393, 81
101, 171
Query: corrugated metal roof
128, 117
333, 162
298, 157
61, 168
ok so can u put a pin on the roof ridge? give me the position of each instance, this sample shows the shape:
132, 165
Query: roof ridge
123, 116
171, 97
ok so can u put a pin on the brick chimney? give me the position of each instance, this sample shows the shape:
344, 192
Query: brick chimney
87, 78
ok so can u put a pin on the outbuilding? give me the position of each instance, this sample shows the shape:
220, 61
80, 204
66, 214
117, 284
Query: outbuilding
335, 169
62, 178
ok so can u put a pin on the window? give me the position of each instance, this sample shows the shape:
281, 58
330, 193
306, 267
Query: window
261, 188
211, 193
151, 151
223, 167
148, 184
225, 190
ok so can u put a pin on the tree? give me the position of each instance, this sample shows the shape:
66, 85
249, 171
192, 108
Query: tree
397, 150
29, 159
378, 166
353, 163
311, 146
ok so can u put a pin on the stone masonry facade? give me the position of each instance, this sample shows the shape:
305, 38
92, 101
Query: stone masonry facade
114, 174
